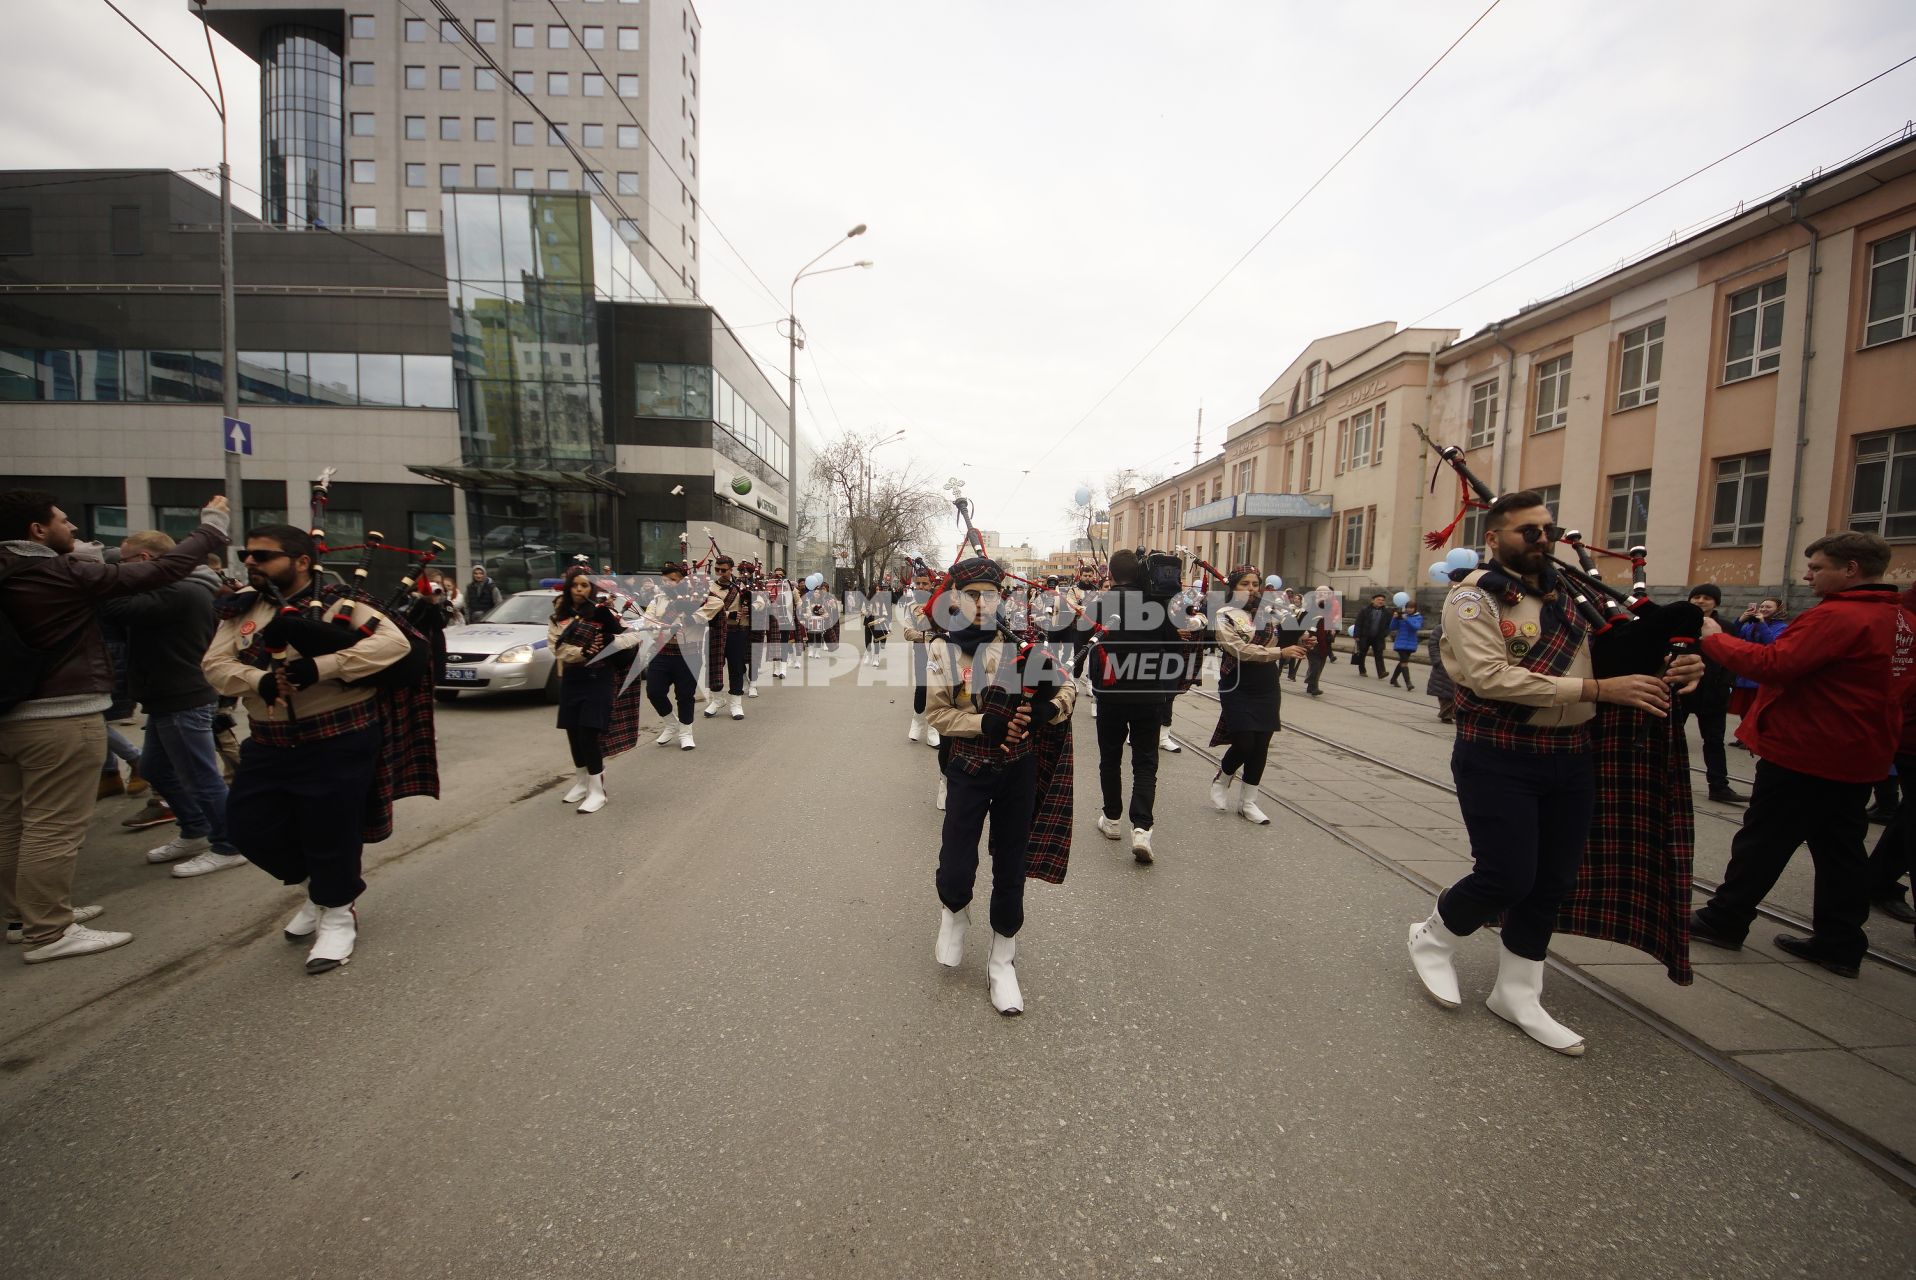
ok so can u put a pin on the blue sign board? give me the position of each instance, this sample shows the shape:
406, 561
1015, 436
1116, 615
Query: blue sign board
237, 436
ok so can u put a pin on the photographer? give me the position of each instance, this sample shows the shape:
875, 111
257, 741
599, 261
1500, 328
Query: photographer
1708, 703
1134, 669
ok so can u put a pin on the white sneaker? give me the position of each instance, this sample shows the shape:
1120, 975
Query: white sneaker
576, 792
1141, 845
207, 863
179, 847
931, 736
685, 738
1001, 975
1221, 793
333, 939
1248, 807
711, 708
668, 733
751, 690
950, 947
917, 728
304, 921
78, 940
738, 707
1109, 828
1167, 743
594, 795
941, 793
17, 932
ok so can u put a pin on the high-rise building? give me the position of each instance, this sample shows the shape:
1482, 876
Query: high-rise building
370, 110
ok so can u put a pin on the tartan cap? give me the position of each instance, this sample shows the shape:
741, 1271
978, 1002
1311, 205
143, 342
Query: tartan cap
976, 569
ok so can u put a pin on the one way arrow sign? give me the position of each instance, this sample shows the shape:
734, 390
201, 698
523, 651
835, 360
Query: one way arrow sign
238, 436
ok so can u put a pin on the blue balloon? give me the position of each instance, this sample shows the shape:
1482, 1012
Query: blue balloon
1274, 583
1351, 630
1461, 558
816, 581
1401, 599
1440, 573
1083, 495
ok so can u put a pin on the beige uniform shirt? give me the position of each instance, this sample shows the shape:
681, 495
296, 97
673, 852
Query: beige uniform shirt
333, 690
1485, 640
949, 707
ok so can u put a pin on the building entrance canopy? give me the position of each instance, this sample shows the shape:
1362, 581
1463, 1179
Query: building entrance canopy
1247, 512
517, 478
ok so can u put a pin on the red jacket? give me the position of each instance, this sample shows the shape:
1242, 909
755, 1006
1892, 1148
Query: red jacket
1832, 686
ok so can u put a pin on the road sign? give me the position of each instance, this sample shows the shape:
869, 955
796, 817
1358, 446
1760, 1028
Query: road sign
237, 436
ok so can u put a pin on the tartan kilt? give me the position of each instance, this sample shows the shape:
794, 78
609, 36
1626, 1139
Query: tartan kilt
408, 755
1634, 887
715, 656
622, 734
1049, 852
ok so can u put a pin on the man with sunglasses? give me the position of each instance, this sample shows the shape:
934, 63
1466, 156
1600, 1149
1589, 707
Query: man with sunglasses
309, 788
1524, 762
1010, 761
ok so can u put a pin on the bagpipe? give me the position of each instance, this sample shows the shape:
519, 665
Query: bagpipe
1630, 633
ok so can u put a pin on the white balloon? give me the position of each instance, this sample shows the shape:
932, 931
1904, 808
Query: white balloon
1083, 496
1461, 558
1440, 573
1401, 599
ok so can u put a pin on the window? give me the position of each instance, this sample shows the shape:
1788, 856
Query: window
592, 37
415, 30
448, 175
1742, 489
364, 25
556, 134
628, 184
449, 128
629, 39
1314, 383
448, 32
363, 217
592, 86
628, 86
449, 77
1642, 366
1351, 546
593, 180
1361, 439
558, 37
1629, 522
485, 175
1553, 394
1755, 335
559, 179
416, 220
415, 128
485, 31
362, 124
361, 72
673, 391
558, 83
1883, 494
484, 80
1483, 415
522, 134
363, 171
415, 175
522, 35
1892, 309
628, 137
522, 180
415, 77
124, 229
592, 135
485, 129
525, 82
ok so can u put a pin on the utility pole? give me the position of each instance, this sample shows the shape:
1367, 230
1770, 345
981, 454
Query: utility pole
1197, 444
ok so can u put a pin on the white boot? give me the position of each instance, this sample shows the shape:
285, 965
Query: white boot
950, 950
778, 669
1247, 805
738, 707
304, 921
917, 728
751, 690
577, 791
685, 738
1001, 974
1221, 793
931, 736
712, 706
669, 732
594, 795
1167, 743
941, 793
333, 943
1432, 951
1515, 999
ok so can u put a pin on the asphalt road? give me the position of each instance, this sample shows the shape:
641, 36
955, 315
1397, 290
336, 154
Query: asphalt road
701, 1034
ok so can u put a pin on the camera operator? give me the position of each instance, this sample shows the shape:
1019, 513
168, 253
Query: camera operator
1134, 672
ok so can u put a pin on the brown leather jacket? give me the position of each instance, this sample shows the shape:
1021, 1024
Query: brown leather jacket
51, 605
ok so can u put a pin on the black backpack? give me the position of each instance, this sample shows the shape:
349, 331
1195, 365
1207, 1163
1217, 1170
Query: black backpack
21, 665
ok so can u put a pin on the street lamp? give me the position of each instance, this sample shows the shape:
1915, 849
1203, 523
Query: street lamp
793, 343
893, 438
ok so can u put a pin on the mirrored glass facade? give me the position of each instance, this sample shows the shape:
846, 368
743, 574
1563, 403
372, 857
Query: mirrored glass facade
193, 377
301, 127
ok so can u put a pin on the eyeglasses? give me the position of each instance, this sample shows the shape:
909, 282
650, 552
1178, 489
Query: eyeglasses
986, 596
260, 555
1534, 534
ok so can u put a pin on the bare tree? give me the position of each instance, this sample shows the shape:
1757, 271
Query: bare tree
884, 512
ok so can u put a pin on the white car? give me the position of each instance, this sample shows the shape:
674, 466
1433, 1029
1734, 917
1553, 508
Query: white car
506, 653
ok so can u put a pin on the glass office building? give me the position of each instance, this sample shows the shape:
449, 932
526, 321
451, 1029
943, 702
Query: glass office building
302, 138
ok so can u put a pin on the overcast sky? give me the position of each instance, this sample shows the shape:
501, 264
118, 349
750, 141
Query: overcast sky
1050, 185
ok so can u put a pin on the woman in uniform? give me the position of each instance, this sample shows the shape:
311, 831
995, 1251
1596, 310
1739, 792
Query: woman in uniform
1248, 693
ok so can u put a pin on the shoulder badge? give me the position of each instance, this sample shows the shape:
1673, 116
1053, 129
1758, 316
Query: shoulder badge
248, 627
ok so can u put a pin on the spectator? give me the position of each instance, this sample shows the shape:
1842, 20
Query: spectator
1760, 623
482, 595
54, 684
1404, 638
1439, 685
1826, 722
1708, 702
1373, 629
1895, 853
167, 634
1323, 617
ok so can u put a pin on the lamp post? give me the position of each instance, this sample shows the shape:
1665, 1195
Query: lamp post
793, 343
893, 438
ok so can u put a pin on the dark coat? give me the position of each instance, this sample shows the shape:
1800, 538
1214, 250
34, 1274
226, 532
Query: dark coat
168, 631
1439, 684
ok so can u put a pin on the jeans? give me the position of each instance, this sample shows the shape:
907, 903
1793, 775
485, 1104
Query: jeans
1141, 721
117, 744
1709, 728
1788, 809
49, 777
1529, 818
182, 764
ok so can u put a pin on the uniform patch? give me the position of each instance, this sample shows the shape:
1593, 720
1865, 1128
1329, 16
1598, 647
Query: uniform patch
1468, 610
1508, 627
1529, 629
1518, 648
248, 627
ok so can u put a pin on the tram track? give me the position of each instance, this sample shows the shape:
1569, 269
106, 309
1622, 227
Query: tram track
1885, 1163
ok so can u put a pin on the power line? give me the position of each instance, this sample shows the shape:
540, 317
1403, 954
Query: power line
1268, 231
1661, 191
220, 110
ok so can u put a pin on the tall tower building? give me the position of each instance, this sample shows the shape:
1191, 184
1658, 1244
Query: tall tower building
368, 112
